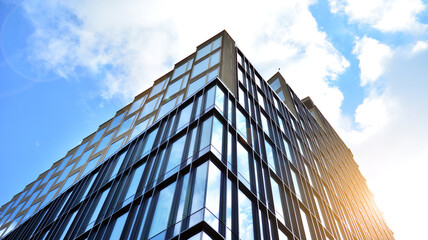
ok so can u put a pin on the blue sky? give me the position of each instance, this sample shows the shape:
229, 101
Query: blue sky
65, 68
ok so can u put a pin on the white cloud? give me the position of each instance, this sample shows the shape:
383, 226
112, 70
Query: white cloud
384, 15
373, 57
390, 145
127, 45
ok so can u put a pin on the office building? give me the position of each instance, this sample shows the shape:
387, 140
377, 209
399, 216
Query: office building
211, 151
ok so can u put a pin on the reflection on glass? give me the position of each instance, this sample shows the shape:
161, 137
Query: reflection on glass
209, 100
243, 159
270, 156
97, 136
219, 98
206, 133
69, 182
98, 206
80, 150
185, 115
139, 128
162, 210
276, 194
213, 194
105, 141
246, 230
149, 107
182, 68
49, 184
148, 142
306, 225
116, 121
91, 164
83, 159
176, 152
217, 135
158, 87
136, 105
241, 123
296, 184
118, 227
265, 124
70, 221
165, 108
199, 188
126, 125
180, 211
135, 180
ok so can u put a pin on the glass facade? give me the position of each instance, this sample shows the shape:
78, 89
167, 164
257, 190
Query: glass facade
227, 161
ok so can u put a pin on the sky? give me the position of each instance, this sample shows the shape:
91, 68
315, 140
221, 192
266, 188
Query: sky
68, 66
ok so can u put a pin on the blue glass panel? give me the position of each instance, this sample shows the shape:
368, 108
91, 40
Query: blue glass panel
200, 184
241, 123
80, 150
116, 121
136, 105
148, 142
149, 107
196, 85
200, 67
162, 211
246, 230
203, 52
105, 141
118, 227
139, 128
215, 58
217, 135
276, 194
125, 125
70, 221
173, 88
83, 159
48, 186
69, 182
185, 114
91, 164
164, 109
243, 162
205, 133
275, 84
270, 156
49, 197
114, 147
133, 184
97, 136
157, 88
175, 154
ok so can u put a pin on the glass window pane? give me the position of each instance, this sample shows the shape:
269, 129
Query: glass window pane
163, 208
241, 123
91, 164
275, 84
118, 227
296, 184
148, 142
133, 184
182, 69
97, 136
139, 128
164, 109
217, 135
216, 43
200, 67
281, 95
185, 115
98, 205
136, 105
48, 186
70, 221
243, 159
199, 188
219, 99
265, 125
126, 125
215, 58
306, 225
209, 101
276, 194
49, 197
157, 88
69, 182
270, 156
176, 152
213, 74
114, 147
116, 121
173, 88
213, 194
196, 85
149, 107
105, 141
83, 159
65, 172
80, 150
205, 133
203, 52
246, 230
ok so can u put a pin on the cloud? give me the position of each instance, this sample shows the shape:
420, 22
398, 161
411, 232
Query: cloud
127, 45
390, 145
383, 15
372, 56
